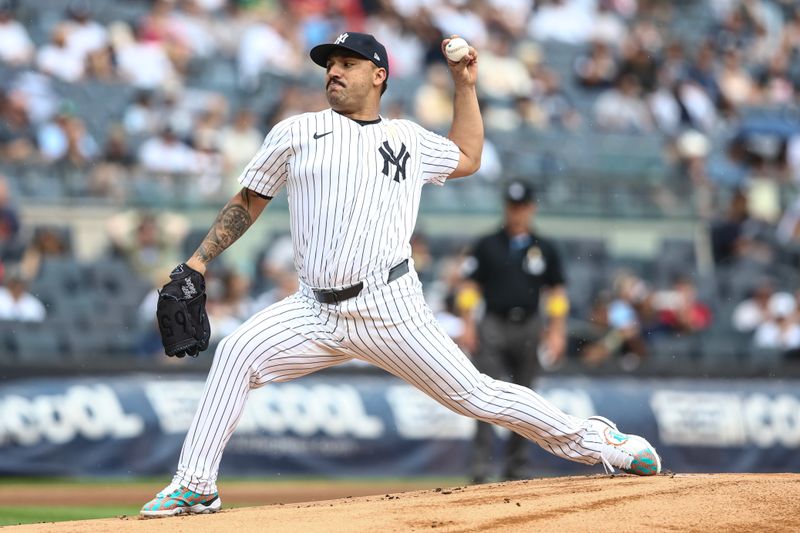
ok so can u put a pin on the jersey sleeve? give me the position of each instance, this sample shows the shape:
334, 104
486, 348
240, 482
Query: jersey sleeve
439, 156
267, 171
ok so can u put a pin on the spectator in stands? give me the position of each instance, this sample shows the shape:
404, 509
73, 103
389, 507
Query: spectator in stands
208, 165
41, 101
674, 65
735, 83
791, 33
109, 177
17, 136
608, 27
678, 309
228, 302
291, 100
194, 25
9, 223
728, 169
698, 108
142, 116
142, 62
510, 15
58, 59
228, 26
502, 76
525, 114
691, 149
703, 71
282, 282
83, 35
264, 48
166, 154
621, 316
638, 61
599, 342
567, 21
150, 244
162, 28
433, 101
117, 151
16, 303
65, 139
597, 68
100, 65
462, 18
668, 115
788, 230
774, 84
793, 157
555, 104
276, 259
46, 243
406, 54
238, 142
16, 47
750, 313
730, 236
209, 121
455, 301
781, 330
622, 109
148, 338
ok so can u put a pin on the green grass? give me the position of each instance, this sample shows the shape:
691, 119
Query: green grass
31, 514
160, 481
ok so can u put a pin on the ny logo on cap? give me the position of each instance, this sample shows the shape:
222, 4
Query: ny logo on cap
340, 39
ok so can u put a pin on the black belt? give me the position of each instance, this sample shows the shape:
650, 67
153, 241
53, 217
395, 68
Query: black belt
515, 314
332, 296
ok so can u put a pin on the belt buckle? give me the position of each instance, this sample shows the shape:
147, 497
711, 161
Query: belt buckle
331, 294
517, 314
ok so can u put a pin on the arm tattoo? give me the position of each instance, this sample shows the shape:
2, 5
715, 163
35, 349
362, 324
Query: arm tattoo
231, 223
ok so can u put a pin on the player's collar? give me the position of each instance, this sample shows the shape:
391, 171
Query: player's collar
360, 122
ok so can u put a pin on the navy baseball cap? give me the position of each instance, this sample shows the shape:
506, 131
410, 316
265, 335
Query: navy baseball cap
519, 192
363, 44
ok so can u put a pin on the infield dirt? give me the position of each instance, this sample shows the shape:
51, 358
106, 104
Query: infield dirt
696, 502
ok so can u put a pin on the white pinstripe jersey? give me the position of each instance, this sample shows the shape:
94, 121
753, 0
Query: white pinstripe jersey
354, 190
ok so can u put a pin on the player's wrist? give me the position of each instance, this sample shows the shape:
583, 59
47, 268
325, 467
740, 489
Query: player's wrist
196, 264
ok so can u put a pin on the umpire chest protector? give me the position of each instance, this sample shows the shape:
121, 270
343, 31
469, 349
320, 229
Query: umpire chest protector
512, 272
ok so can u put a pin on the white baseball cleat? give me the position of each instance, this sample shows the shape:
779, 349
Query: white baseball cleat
175, 500
630, 453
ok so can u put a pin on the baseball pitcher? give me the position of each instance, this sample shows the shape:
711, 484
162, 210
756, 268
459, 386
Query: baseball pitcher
354, 181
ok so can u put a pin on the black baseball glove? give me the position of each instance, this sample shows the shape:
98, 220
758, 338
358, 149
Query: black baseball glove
181, 313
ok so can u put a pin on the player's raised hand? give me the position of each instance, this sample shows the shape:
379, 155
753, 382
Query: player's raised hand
463, 68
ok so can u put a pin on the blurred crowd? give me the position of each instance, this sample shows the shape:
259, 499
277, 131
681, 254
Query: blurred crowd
622, 66
170, 98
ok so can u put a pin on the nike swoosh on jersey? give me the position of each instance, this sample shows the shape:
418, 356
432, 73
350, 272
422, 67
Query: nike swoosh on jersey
320, 135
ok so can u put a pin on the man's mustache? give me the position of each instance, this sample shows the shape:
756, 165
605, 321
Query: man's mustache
337, 82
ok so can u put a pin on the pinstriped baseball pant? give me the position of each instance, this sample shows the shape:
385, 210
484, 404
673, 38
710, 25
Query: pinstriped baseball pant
388, 325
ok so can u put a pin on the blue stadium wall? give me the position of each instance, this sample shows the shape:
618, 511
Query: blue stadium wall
377, 425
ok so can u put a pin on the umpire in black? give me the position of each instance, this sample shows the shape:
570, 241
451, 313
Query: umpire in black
520, 278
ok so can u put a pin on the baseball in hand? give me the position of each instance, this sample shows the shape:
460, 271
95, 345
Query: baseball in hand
456, 49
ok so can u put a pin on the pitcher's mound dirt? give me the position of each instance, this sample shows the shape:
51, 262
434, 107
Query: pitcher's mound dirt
700, 502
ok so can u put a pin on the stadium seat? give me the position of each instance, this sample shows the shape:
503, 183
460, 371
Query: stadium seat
672, 352
36, 343
87, 343
676, 258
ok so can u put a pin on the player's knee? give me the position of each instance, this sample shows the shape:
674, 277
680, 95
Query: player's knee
475, 402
